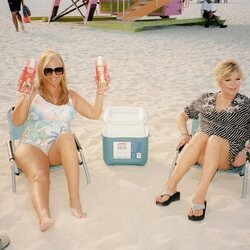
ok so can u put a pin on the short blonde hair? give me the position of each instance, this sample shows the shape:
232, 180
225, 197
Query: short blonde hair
43, 61
225, 67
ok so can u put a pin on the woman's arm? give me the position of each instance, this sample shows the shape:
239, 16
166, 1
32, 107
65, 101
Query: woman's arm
21, 111
182, 125
241, 157
86, 109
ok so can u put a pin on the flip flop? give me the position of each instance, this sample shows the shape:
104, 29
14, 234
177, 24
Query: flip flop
4, 241
172, 197
198, 207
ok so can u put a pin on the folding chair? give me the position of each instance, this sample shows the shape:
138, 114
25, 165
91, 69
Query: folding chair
242, 170
69, 9
15, 134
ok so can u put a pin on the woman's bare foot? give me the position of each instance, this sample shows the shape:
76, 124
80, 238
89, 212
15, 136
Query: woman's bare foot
46, 223
78, 213
77, 210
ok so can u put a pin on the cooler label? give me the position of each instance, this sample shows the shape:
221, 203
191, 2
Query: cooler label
127, 150
121, 150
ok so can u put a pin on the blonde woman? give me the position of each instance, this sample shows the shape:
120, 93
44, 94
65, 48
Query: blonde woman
220, 141
47, 140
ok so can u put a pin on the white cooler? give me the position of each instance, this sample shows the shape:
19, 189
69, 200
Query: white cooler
125, 137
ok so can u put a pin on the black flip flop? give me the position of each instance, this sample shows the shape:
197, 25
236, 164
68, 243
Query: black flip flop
172, 197
198, 207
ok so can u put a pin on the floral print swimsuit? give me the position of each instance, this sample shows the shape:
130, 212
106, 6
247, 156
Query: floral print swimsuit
46, 122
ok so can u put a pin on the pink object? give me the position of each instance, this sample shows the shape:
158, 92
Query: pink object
173, 8
102, 72
26, 19
54, 9
90, 10
26, 81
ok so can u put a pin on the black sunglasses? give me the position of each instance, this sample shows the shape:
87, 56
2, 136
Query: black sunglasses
49, 71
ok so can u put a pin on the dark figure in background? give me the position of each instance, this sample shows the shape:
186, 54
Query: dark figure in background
208, 14
15, 7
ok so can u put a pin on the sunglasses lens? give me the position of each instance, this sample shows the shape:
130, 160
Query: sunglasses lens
59, 70
49, 71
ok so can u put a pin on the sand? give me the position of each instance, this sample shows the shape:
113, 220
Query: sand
159, 70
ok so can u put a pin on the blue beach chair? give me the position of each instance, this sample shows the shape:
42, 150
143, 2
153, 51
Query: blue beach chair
15, 134
242, 171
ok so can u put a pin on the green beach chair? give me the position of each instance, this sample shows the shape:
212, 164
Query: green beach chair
242, 171
15, 134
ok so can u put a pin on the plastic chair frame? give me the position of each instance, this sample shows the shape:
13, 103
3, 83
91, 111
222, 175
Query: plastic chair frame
242, 170
15, 134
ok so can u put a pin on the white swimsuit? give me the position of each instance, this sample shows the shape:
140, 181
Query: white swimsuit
46, 122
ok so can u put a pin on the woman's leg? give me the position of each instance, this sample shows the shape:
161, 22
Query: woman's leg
35, 165
187, 158
63, 151
19, 17
14, 19
216, 156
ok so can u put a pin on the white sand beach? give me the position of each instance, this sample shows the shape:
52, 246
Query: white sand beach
159, 70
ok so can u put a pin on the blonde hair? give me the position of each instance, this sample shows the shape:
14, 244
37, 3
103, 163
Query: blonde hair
225, 68
43, 61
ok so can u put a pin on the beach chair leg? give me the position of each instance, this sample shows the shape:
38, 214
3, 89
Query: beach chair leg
82, 159
244, 185
175, 160
13, 175
84, 165
10, 147
173, 164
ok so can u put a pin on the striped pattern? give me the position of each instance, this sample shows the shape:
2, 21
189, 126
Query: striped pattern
232, 124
